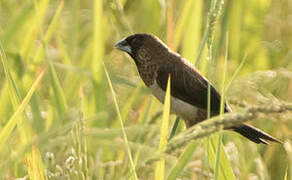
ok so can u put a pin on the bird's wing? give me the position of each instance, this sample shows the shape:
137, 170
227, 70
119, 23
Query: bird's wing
188, 85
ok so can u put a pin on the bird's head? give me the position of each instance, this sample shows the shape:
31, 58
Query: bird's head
143, 48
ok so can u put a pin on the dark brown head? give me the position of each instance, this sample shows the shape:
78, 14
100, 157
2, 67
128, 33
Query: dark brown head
143, 48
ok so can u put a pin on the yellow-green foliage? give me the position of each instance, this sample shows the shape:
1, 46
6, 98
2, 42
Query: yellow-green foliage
73, 107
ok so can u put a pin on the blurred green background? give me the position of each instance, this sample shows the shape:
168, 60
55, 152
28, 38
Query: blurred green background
70, 128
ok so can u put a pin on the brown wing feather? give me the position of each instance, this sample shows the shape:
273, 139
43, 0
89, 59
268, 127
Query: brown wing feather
188, 85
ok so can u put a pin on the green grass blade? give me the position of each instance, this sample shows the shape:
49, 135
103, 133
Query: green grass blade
98, 40
129, 103
5, 132
59, 96
31, 32
236, 72
174, 127
33, 158
49, 33
17, 24
58, 90
286, 174
201, 49
218, 155
192, 34
15, 95
179, 29
224, 166
160, 166
182, 161
4, 102
64, 54
222, 103
53, 25
122, 124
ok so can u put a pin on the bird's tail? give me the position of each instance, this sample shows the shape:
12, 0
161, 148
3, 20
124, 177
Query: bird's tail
254, 134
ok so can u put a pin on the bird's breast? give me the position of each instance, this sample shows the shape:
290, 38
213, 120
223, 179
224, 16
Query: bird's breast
177, 106
147, 73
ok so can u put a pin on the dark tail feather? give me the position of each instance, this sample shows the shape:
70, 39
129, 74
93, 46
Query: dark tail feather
254, 134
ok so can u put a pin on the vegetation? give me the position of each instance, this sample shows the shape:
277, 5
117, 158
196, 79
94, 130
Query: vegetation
73, 107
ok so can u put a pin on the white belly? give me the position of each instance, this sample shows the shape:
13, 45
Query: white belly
177, 106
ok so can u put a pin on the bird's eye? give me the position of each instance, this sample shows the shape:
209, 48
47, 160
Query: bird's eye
144, 55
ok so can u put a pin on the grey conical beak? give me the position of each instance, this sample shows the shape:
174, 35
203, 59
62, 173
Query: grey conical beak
123, 46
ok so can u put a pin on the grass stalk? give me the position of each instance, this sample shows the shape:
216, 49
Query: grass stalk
160, 166
122, 125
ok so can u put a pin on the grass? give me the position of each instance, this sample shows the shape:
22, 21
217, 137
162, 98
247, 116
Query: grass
122, 126
67, 122
160, 166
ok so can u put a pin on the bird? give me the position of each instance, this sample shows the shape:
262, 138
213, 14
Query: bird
189, 88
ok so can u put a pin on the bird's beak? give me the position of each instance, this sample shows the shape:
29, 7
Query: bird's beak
123, 46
